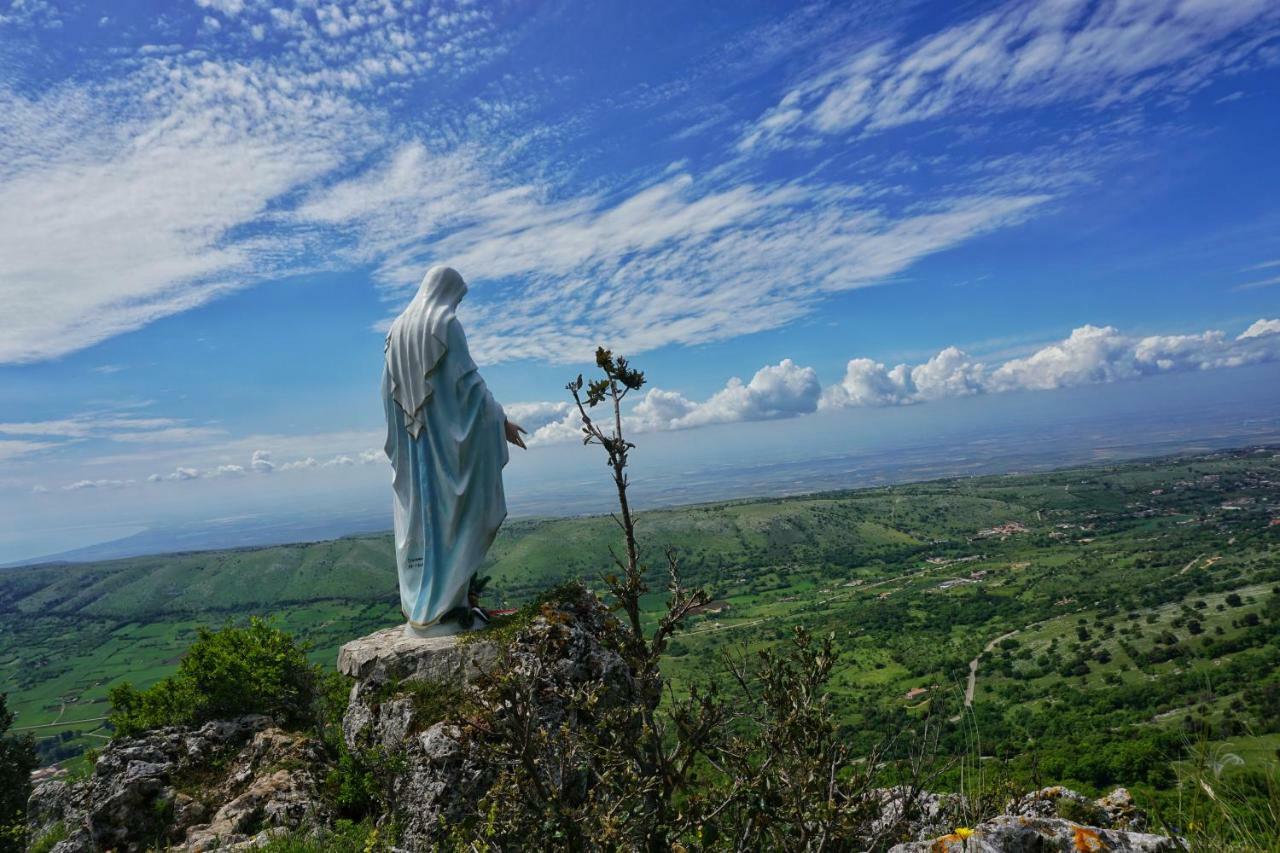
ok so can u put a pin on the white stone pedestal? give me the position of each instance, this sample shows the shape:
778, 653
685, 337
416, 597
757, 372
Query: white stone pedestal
388, 655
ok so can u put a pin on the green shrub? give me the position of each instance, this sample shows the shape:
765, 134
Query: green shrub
345, 837
17, 760
254, 669
1075, 811
352, 784
49, 839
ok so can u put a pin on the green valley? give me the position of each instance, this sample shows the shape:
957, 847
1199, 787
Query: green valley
1099, 622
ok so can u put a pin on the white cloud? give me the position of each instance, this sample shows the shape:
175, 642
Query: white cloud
300, 464
1024, 54
341, 461
783, 390
679, 261
14, 449
109, 425
97, 484
159, 185
659, 409
93, 424
776, 391
176, 435
179, 473
261, 461
1258, 285
1261, 328
1090, 354
535, 416
230, 8
567, 428
228, 471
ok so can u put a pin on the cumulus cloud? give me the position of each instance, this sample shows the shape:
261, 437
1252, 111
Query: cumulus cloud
1090, 354
1261, 328
262, 462
950, 373
534, 416
775, 391
177, 474
783, 390
230, 8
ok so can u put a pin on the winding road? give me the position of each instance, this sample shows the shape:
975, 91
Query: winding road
973, 667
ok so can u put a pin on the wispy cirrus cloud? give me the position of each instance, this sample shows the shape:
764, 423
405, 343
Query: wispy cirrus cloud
156, 188
281, 144
677, 261
113, 426
13, 449
1023, 54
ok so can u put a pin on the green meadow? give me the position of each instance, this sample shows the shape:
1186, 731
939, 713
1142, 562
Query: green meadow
1118, 615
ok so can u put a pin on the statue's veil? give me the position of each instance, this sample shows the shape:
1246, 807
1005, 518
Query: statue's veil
417, 341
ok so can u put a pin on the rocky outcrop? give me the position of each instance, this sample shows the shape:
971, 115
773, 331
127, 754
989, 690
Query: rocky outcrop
273, 783
412, 699
908, 812
219, 785
1016, 834
1055, 818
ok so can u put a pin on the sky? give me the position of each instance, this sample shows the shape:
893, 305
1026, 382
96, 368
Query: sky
797, 219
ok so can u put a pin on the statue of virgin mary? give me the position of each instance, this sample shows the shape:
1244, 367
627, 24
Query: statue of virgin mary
447, 442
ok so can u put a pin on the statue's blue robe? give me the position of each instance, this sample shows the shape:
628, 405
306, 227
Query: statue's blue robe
448, 500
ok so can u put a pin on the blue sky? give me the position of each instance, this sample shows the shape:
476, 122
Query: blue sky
209, 210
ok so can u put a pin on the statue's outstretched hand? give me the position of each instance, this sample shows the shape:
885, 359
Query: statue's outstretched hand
513, 434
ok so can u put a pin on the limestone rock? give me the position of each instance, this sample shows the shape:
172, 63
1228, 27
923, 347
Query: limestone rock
1019, 833
1058, 801
1121, 811
1114, 811
389, 655
274, 783
911, 813
166, 786
129, 801
440, 771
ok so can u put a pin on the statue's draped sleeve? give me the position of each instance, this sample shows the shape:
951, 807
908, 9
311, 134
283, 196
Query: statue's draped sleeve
448, 498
